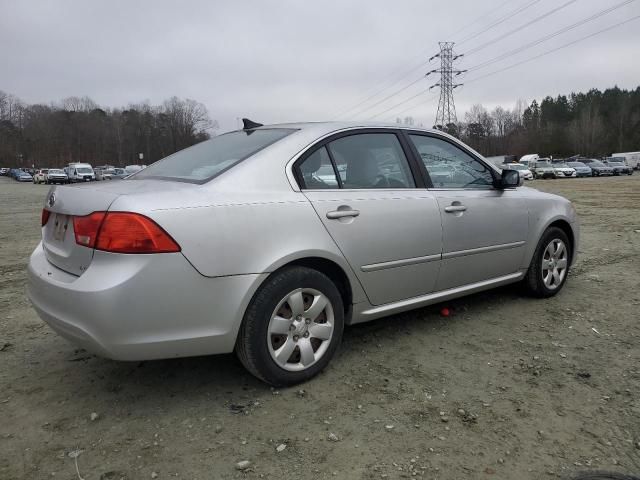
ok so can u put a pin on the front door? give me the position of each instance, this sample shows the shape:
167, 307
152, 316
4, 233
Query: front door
484, 229
364, 192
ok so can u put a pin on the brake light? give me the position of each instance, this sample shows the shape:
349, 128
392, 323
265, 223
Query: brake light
45, 216
86, 228
122, 232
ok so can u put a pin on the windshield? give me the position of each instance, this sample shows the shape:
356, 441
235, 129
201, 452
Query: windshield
206, 160
597, 163
517, 167
576, 164
562, 165
616, 164
84, 170
543, 164
55, 170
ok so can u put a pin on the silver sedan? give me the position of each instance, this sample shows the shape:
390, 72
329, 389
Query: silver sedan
267, 241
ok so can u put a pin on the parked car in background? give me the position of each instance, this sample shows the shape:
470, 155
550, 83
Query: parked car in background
119, 174
104, 172
597, 167
57, 175
581, 169
619, 166
80, 172
131, 169
563, 170
23, 176
111, 255
4, 172
524, 172
542, 168
40, 176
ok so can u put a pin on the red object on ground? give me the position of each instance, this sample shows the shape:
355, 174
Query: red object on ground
445, 312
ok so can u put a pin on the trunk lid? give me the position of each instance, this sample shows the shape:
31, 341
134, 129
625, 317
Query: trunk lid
66, 202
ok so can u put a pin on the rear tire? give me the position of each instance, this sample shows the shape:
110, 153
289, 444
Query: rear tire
549, 266
292, 327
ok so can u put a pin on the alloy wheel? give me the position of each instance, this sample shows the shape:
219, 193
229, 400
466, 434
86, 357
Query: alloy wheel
554, 264
300, 329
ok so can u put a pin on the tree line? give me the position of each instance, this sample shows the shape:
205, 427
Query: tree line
594, 124
78, 130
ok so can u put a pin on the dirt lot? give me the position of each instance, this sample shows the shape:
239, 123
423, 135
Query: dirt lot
506, 388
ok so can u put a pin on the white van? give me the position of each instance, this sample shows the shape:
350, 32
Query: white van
632, 158
80, 172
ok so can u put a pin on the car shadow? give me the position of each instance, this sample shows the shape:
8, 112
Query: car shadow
223, 376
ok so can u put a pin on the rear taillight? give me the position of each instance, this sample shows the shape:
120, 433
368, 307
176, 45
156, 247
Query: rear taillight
86, 228
122, 232
45, 216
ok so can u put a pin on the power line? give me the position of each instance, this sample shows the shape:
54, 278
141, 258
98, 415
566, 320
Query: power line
389, 96
549, 36
401, 103
411, 107
480, 18
553, 50
379, 91
499, 21
520, 28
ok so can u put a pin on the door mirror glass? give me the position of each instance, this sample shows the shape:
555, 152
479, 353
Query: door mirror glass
510, 179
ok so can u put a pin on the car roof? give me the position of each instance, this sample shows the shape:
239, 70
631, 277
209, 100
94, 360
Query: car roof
327, 127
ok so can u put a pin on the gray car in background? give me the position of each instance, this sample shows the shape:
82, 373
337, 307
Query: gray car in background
267, 241
581, 169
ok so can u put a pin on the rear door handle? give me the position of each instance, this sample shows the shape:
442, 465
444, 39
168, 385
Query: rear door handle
342, 214
455, 208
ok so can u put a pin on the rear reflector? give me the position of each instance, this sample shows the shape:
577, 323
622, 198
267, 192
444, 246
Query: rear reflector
122, 232
45, 216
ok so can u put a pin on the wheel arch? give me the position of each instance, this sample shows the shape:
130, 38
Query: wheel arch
335, 268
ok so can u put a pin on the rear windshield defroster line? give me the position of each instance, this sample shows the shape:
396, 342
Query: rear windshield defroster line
206, 160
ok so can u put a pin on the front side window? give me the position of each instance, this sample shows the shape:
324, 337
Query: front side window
205, 160
449, 166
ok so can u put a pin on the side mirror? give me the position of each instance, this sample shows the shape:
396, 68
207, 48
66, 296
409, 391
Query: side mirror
510, 179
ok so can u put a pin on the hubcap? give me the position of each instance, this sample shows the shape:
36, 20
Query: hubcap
300, 329
554, 264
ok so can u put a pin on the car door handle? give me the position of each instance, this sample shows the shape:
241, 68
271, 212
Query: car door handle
342, 214
455, 208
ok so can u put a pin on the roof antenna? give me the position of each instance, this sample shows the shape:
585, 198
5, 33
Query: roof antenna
249, 124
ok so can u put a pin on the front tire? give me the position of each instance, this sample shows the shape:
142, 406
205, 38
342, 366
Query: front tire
549, 266
292, 327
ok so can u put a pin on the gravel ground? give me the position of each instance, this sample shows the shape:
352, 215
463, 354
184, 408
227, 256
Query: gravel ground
507, 387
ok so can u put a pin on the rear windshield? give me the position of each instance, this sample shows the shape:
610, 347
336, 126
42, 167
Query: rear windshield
206, 160
84, 170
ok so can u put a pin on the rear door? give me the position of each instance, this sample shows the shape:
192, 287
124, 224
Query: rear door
386, 223
484, 230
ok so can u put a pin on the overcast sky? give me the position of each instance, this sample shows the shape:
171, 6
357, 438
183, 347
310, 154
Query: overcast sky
287, 60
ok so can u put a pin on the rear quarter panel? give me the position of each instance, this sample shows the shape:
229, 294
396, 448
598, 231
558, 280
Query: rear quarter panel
236, 233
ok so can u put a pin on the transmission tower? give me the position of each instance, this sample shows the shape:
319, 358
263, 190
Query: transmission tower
446, 107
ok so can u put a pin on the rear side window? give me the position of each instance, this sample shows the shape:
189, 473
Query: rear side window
317, 171
202, 162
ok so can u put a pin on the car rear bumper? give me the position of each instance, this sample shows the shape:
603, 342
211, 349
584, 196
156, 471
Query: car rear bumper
141, 307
